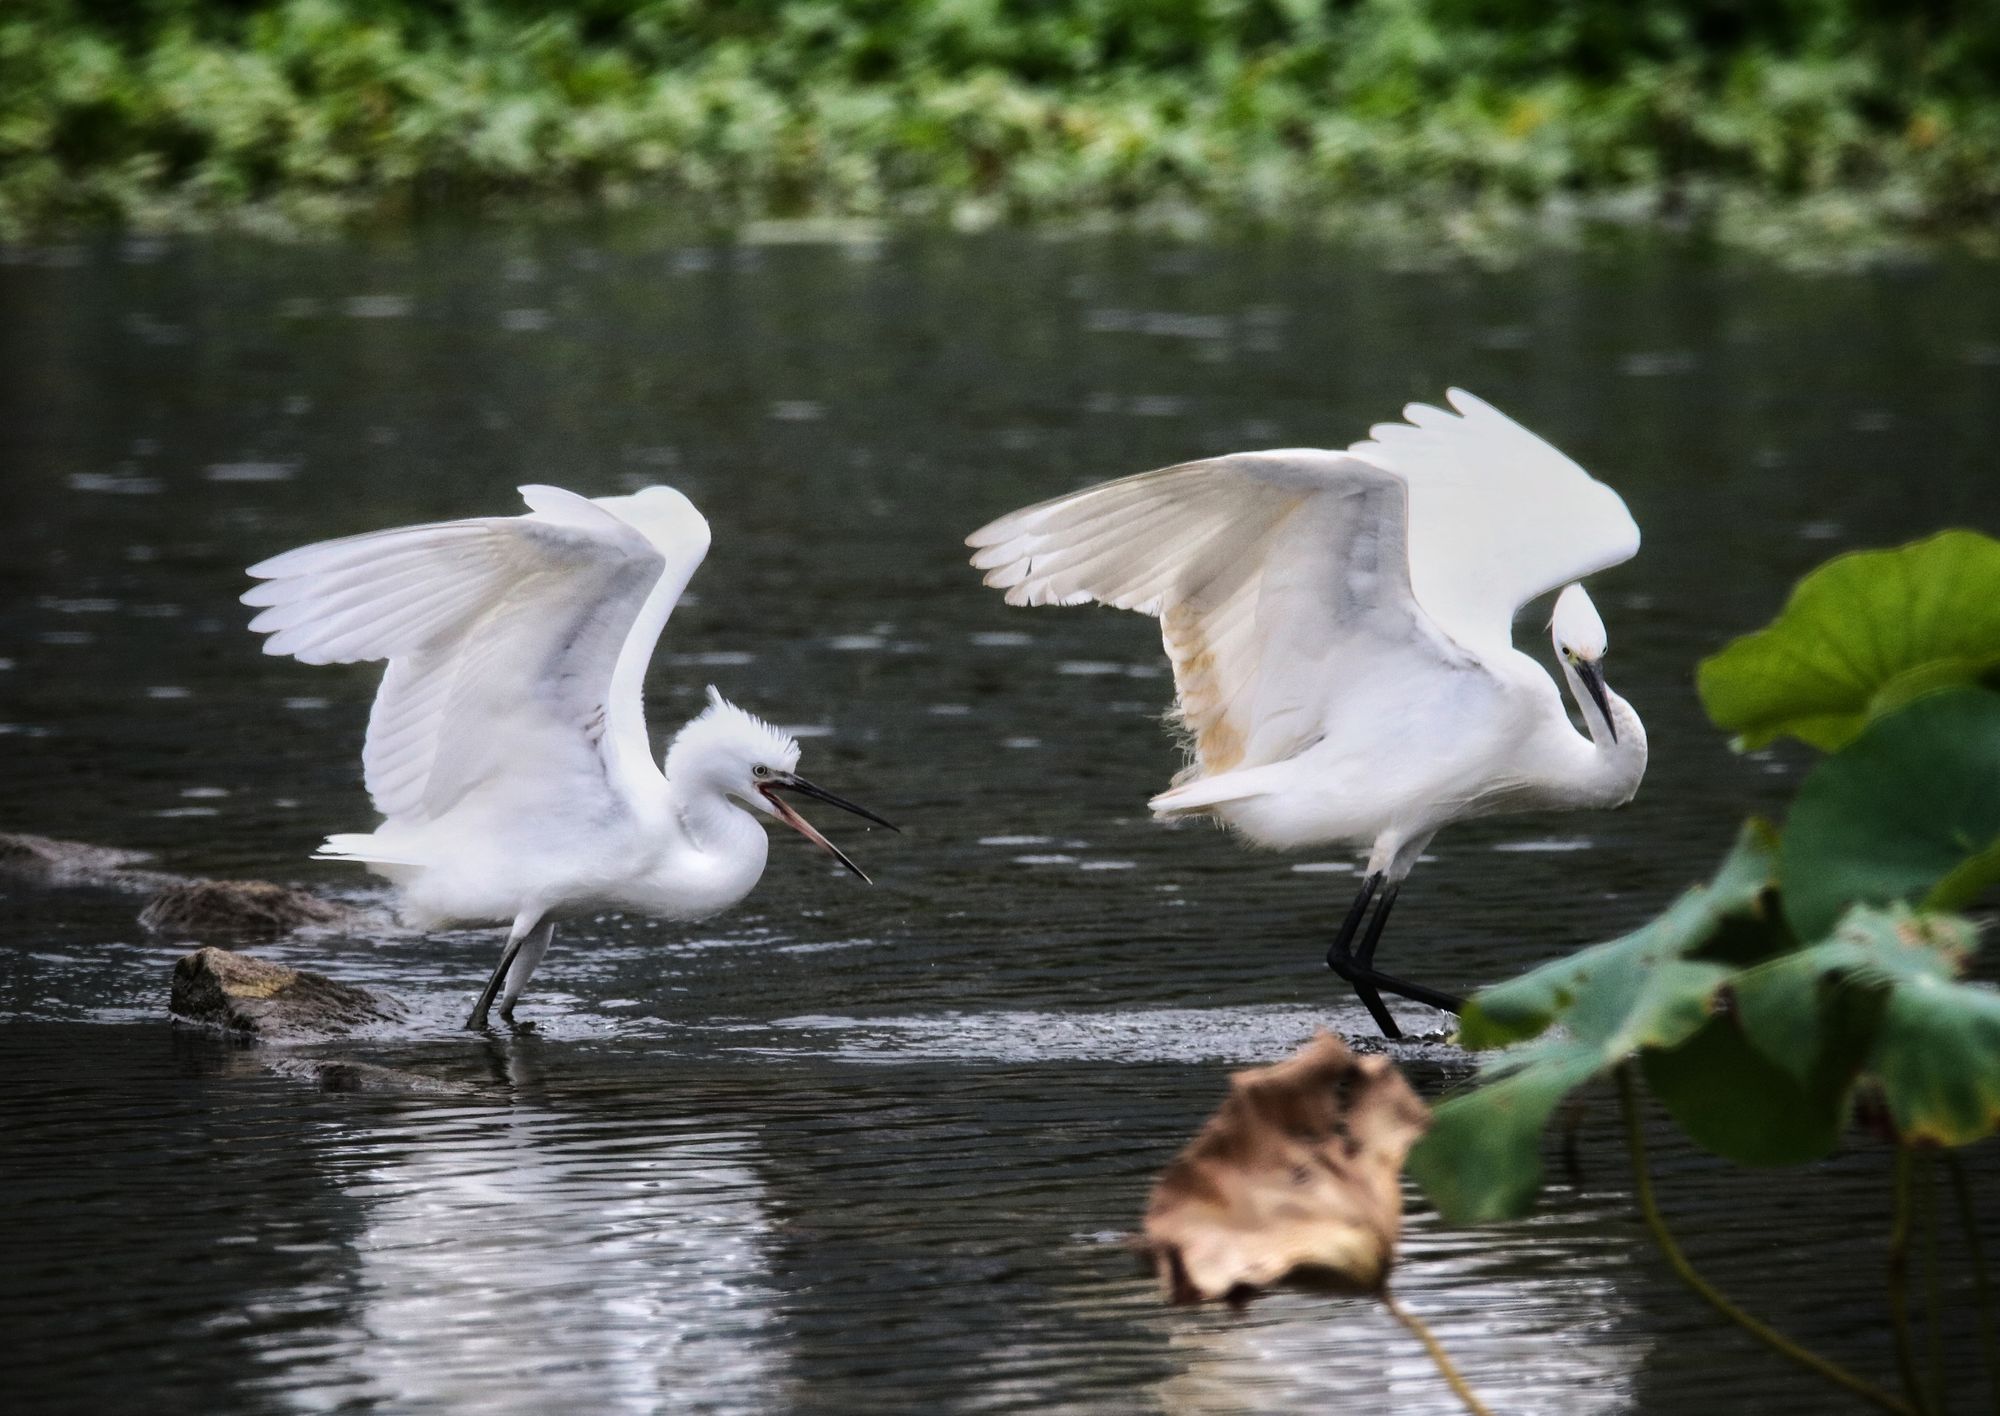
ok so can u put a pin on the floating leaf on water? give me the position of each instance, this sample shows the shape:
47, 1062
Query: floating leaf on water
1910, 810
1298, 1174
1859, 637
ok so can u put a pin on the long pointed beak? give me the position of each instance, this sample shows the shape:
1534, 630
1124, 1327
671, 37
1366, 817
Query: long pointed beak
805, 828
1591, 675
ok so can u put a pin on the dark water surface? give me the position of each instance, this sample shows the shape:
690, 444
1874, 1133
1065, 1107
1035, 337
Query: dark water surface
854, 1148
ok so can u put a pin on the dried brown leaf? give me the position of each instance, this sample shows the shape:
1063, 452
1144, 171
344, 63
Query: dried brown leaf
1298, 1174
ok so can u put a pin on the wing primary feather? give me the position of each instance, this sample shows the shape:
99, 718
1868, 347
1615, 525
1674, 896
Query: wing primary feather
507, 638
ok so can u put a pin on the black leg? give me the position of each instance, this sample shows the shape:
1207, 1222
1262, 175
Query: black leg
1358, 968
477, 1021
1352, 924
1366, 953
1340, 958
536, 945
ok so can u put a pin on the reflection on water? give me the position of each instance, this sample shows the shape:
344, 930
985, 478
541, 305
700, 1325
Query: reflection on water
864, 1148
507, 1253
1514, 1351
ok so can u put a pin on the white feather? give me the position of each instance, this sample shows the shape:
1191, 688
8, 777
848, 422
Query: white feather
507, 748
1339, 623
1497, 516
509, 639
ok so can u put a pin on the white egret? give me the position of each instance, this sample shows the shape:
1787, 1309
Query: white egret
507, 750
1340, 629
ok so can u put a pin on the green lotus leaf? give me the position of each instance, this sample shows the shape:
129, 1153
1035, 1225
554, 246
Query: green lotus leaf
1937, 1061
1861, 636
1651, 989
1910, 810
1481, 1160
1886, 988
1598, 991
1733, 1099
1788, 1014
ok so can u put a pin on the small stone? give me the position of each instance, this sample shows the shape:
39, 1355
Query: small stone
240, 994
47, 861
258, 909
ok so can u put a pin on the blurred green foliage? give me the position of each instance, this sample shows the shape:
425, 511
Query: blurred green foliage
1876, 114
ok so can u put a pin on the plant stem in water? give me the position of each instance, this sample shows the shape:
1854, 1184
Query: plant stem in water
1933, 1314
1982, 1286
1899, 1278
1642, 1184
1442, 1358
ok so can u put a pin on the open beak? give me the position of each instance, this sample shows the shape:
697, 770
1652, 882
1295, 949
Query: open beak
1591, 673
793, 783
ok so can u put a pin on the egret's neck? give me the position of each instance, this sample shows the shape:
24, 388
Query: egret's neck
1615, 760
711, 819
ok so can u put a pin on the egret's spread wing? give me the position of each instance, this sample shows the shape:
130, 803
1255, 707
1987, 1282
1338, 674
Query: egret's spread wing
517, 640
1279, 579
1497, 516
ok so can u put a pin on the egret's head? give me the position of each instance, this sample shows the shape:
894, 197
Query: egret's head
1579, 633
1580, 640
738, 754
730, 750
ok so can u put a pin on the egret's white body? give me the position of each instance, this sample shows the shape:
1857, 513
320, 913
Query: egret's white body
507, 749
1340, 627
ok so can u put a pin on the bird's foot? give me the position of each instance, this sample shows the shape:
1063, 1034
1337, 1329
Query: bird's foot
1358, 977
1370, 983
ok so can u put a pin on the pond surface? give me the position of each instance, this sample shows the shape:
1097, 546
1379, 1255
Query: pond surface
854, 1148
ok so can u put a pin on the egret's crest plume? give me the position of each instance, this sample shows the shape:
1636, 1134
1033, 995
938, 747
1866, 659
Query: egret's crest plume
724, 730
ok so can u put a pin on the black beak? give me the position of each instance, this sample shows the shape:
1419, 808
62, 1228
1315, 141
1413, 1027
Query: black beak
792, 782
1591, 675
798, 823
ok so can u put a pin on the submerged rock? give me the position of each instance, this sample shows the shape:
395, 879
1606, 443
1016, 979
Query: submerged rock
47, 861
334, 1074
254, 998
200, 908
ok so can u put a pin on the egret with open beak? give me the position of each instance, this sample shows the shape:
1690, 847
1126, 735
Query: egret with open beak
507, 751
774, 782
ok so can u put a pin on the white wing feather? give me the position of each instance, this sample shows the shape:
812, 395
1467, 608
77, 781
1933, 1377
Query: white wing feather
1289, 582
509, 639
1497, 516
1272, 574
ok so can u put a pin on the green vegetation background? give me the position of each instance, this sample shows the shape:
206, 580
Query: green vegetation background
1770, 116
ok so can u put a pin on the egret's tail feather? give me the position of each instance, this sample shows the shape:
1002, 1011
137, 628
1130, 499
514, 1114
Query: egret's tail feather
1191, 798
363, 846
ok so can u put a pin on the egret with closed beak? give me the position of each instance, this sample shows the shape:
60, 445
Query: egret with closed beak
1340, 630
